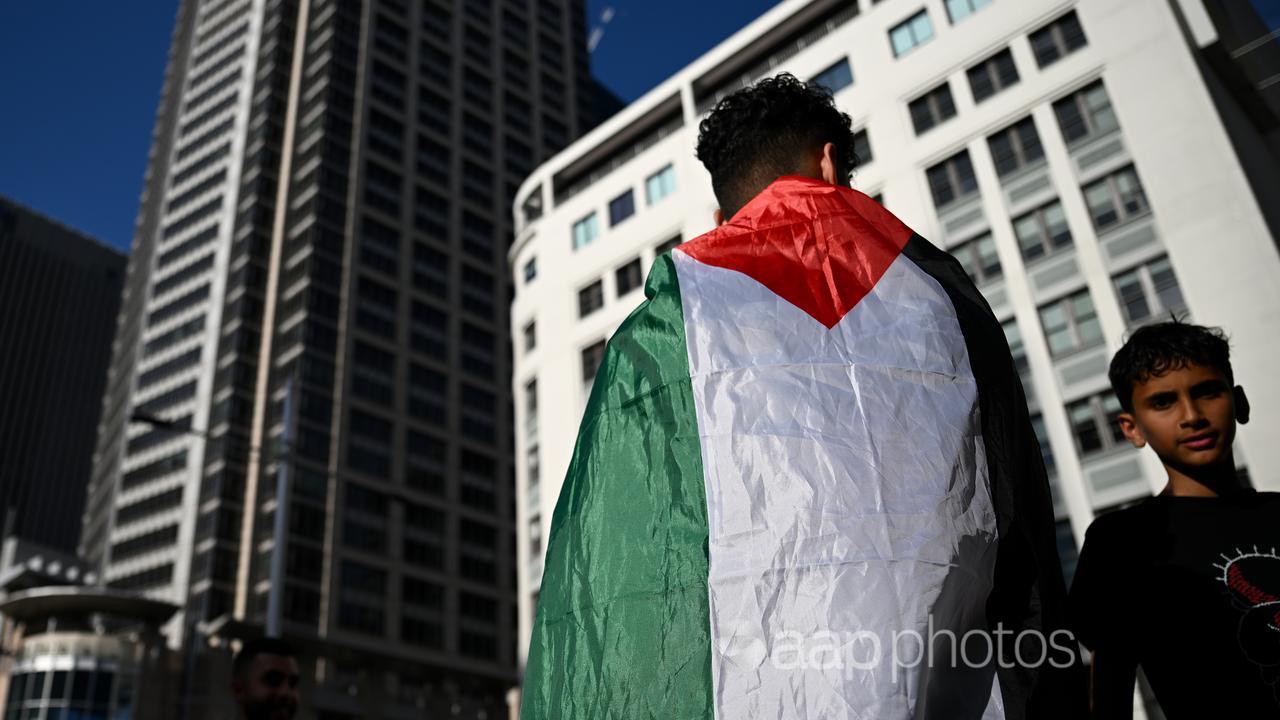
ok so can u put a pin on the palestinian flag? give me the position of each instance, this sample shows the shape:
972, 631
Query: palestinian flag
809, 434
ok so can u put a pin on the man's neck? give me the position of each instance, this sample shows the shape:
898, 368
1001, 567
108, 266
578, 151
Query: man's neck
1217, 480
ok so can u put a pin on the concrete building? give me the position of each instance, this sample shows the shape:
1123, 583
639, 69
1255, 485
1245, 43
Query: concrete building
70, 649
326, 209
59, 293
1095, 164
74, 651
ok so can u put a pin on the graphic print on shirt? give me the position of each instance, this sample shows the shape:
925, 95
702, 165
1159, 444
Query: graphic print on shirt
1253, 580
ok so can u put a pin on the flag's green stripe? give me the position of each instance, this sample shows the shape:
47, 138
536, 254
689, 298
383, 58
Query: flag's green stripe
622, 628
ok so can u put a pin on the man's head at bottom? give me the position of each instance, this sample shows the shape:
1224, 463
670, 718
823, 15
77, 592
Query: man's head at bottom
778, 126
264, 680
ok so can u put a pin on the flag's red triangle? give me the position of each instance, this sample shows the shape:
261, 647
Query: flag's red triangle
818, 246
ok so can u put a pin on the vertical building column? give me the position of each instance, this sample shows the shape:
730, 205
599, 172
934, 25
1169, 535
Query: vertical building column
1070, 475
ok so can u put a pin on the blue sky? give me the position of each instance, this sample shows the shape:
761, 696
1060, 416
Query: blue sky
80, 82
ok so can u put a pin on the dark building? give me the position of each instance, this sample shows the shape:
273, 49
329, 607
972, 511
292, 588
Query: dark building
323, 228
59, 294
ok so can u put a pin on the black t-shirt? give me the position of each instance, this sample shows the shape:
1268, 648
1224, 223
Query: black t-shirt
1189, 589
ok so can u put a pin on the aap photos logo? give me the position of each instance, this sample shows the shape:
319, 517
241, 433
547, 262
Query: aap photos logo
895, 651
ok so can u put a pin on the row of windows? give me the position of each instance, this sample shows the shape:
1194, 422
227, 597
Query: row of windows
81, 693
657, 187
145, 543
1018, 146
149, 506
1049, 43
159, 435
154, 470
186, 274
1041, 232
191, 244
168, 399
416, 631
169, 368
1070, 323
178, 305
996, 73
367, 585
145, 579
198, 143
627, 277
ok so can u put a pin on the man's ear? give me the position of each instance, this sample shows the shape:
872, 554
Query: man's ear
1242, 404
718, 216
1132, 433
829, 165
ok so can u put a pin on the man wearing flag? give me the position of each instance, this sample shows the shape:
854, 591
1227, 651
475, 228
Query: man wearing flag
806, 484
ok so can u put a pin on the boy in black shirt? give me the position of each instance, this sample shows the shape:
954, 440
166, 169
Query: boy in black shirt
1185, 584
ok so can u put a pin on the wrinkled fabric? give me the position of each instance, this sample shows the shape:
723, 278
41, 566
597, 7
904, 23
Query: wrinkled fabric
621, 628
789, 448
846, 488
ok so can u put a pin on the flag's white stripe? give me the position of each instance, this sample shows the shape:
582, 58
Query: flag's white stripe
847, 496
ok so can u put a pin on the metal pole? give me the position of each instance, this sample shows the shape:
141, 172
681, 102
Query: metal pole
275, 596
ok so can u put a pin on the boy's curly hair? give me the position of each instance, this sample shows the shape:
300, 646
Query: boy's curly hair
1156, 349
761, 132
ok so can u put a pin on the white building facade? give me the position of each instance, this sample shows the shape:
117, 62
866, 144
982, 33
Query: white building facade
1077, 155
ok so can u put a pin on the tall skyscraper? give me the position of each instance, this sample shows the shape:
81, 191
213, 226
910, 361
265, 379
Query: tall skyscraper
1094, 165
323, 228
59, 294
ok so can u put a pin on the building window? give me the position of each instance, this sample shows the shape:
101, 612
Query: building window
622, 207
1057, 39
1149, 290
1015, 147
532, 207
660, 184
360, 597
629, 277
530, 336
531, 270
1085, 113
909, 33
952, 179
1042, 437
369, 444
1093, 423
1016, 349
932, 108
1042, 231
585, 231
1115, 198
590, 298
958, 10
531, 399
861, 147
992, 75
667, 244
1070, 324
535, 536
372, 374
978, 257
591, 359
835, 78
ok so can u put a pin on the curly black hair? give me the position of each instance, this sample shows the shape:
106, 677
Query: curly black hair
1156, 349
761, 132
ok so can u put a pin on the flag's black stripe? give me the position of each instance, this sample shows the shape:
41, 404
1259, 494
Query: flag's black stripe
1029, 591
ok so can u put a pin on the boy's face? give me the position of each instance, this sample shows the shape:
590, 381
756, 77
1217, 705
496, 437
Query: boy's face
1187, 415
